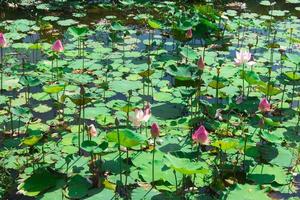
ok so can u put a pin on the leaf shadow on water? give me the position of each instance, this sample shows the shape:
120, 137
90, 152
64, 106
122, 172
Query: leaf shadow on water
165, 111
291, 135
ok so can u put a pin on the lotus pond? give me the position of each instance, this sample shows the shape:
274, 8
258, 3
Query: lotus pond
137, 99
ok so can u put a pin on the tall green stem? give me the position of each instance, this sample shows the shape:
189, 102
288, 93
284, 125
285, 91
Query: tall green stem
243, 80
153, 153
1, 68
119, 149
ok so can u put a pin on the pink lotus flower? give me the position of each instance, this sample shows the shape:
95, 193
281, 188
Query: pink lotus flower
141, 115
147, 112
189, 34
201, 63
3, 42
92, 131
57, 46
155, 130
201, 136
243, 57
264, 105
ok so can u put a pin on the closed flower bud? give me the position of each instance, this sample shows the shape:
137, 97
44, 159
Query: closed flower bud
155, 130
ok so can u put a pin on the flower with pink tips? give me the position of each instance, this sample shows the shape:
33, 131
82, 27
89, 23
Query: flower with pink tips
201, 136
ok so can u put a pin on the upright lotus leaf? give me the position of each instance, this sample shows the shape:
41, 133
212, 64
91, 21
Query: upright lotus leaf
250, 192
269, 121
268, 89
128, 138
53, 89
227, 144
293, 76
154, 24
81, 100
250, 76
29, 81
41, 180
189, 53
94, 147
78, 187
265, 174
293, 58
89, 146
146, 73
271, 137
35, 46
116, 26
217, 83
78, 31
32, 140
181, 72
185, 166
21, 111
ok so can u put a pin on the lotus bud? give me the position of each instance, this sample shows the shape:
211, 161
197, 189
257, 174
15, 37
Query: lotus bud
201, 63
189, 34
264, 105
201, 136
57, 46
3, 42
155, 130
92, 130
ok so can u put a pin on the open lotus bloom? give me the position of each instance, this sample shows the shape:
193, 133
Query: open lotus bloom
57, 46
147, 112
264, 105
140, 115
201, 136
189, 34
3, 42
92, 130
243, 57
201, 63
137, 117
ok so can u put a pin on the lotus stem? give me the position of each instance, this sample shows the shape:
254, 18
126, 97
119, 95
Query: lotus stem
127, 162
294, 84
281, 106
243, 94
11, 117
217, 89
153, 153
119, 148
79, 123
19, 124
176, 183
269, 84
245, 146
1, 68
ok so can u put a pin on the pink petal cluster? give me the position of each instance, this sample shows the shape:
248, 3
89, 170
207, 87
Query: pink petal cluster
140, 115
201, 135
92, 130
264, 105
189, 34
243, 57
155, 130
201, 63
3, 42
57, 46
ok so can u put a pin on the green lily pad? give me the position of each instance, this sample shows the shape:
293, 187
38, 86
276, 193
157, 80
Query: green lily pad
38, 182
128, 138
